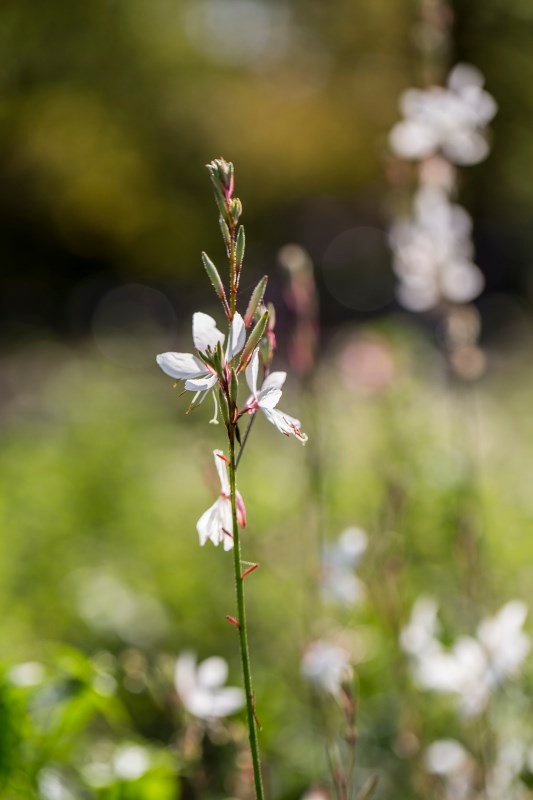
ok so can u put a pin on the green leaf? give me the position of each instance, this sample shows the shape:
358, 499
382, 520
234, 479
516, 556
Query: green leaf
253, 341
214, 277
256, 298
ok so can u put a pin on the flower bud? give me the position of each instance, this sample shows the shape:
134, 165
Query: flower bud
235, 210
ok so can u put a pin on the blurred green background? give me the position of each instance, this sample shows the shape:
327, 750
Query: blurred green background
109, 110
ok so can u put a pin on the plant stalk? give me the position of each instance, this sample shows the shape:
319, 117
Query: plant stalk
243, 631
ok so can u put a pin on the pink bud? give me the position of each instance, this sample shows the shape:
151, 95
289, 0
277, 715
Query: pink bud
241, 511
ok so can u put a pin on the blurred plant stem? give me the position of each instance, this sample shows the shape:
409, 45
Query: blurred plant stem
242, 626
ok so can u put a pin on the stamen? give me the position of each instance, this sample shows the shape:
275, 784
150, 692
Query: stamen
223, 458
233, 621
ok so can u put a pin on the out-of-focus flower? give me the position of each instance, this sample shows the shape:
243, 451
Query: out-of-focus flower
419, 636
267, 398
198, 374
302, 298
473, 667
504, 641
432, 253
326, 665
448, 759
201, 688
339, 560
131, 761
29, 673
216, 523
367, 365
450, 120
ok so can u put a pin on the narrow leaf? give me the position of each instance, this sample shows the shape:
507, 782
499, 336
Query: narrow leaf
241, 241
256, 298
253, 341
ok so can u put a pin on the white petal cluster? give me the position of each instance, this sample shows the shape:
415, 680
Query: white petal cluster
326, 665
199, 376
457, 769
267, 397
201, 688
433, 253
339, 584
216, 524
450, 120
448, 759
473, 667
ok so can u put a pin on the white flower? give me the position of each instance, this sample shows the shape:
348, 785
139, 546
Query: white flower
216, 523
451, 120
131, 761
201, 689
267, 399
432, 253
198, 375
445, 757
448, 759
504, 640
339, 560
473, 667
326, 665
418, 637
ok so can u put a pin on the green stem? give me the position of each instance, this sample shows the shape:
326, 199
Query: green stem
232, 271
243, 631
245, 439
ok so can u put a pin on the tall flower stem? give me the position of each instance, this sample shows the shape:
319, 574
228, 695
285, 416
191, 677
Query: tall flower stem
242, 627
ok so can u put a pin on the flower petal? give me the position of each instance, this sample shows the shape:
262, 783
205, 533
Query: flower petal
236, 337
285, 423
270, 393
252, 371
227, 701
180, 365
205, 333
202, 384
208, 526
212, 673
222, 470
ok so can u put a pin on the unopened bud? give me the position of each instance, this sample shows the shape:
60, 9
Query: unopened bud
235, 210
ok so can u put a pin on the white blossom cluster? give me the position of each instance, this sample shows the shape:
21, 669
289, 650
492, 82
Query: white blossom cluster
474, 667
338, 581
443, 127
457, 769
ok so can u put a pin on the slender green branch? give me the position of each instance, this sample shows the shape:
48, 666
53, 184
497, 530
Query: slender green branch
245, 439
241, 618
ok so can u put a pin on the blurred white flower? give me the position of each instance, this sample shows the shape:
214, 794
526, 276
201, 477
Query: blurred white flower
131, 761
326, 665
339, 560
199, 376
450, 120
445, 756
201, 688
449, 759
473, 667
29, 673
504, 640
433, 251
419, 636
267, 398
216, 523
